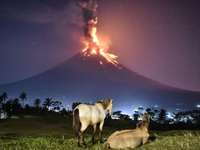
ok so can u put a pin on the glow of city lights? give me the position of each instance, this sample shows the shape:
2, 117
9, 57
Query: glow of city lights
170, 115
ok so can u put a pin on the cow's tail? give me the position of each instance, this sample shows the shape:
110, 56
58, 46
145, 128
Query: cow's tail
76, 123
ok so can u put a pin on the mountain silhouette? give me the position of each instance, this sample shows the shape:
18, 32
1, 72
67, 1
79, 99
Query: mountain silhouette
89, 79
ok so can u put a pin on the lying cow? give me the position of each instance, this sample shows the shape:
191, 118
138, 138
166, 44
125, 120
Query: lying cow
130, 138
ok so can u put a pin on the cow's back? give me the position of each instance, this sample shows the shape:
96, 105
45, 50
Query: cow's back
127, 139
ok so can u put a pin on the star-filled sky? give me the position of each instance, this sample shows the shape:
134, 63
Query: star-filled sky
157, 39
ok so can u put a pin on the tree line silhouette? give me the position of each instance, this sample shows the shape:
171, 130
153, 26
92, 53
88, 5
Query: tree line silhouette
159, 118
15, 107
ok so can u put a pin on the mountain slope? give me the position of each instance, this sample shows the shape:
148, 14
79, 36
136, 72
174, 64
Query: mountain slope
85, 79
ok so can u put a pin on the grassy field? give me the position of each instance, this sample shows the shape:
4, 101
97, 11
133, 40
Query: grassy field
55, 133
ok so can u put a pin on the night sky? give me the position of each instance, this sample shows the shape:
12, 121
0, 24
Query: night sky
157, 39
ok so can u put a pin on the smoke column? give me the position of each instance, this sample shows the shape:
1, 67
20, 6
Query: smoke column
90, 19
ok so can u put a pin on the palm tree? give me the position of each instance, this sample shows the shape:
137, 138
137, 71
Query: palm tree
23, 97
37, 103
47, 103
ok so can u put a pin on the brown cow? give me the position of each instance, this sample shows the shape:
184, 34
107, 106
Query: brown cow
130, 138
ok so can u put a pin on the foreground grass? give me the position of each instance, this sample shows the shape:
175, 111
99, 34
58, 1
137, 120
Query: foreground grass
183, 140
55, 133
179, 140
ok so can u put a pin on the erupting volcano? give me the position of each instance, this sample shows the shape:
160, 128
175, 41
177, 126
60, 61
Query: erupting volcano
90, 37
94, 74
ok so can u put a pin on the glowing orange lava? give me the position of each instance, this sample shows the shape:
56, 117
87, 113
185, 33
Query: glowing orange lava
93, 49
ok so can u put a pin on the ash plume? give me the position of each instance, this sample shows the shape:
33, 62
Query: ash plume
90, 19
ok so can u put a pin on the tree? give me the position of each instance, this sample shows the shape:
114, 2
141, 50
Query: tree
23, 97
56, 105
148, 110
4, 96
117, 114
27, 109
9, 108
1, 102
74, 105
1, 99
162, 116
47, 103
156, 111
16, 106
154, 114
63, 112
37, 103
124, 117
179, 116
136, 116
140, 109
